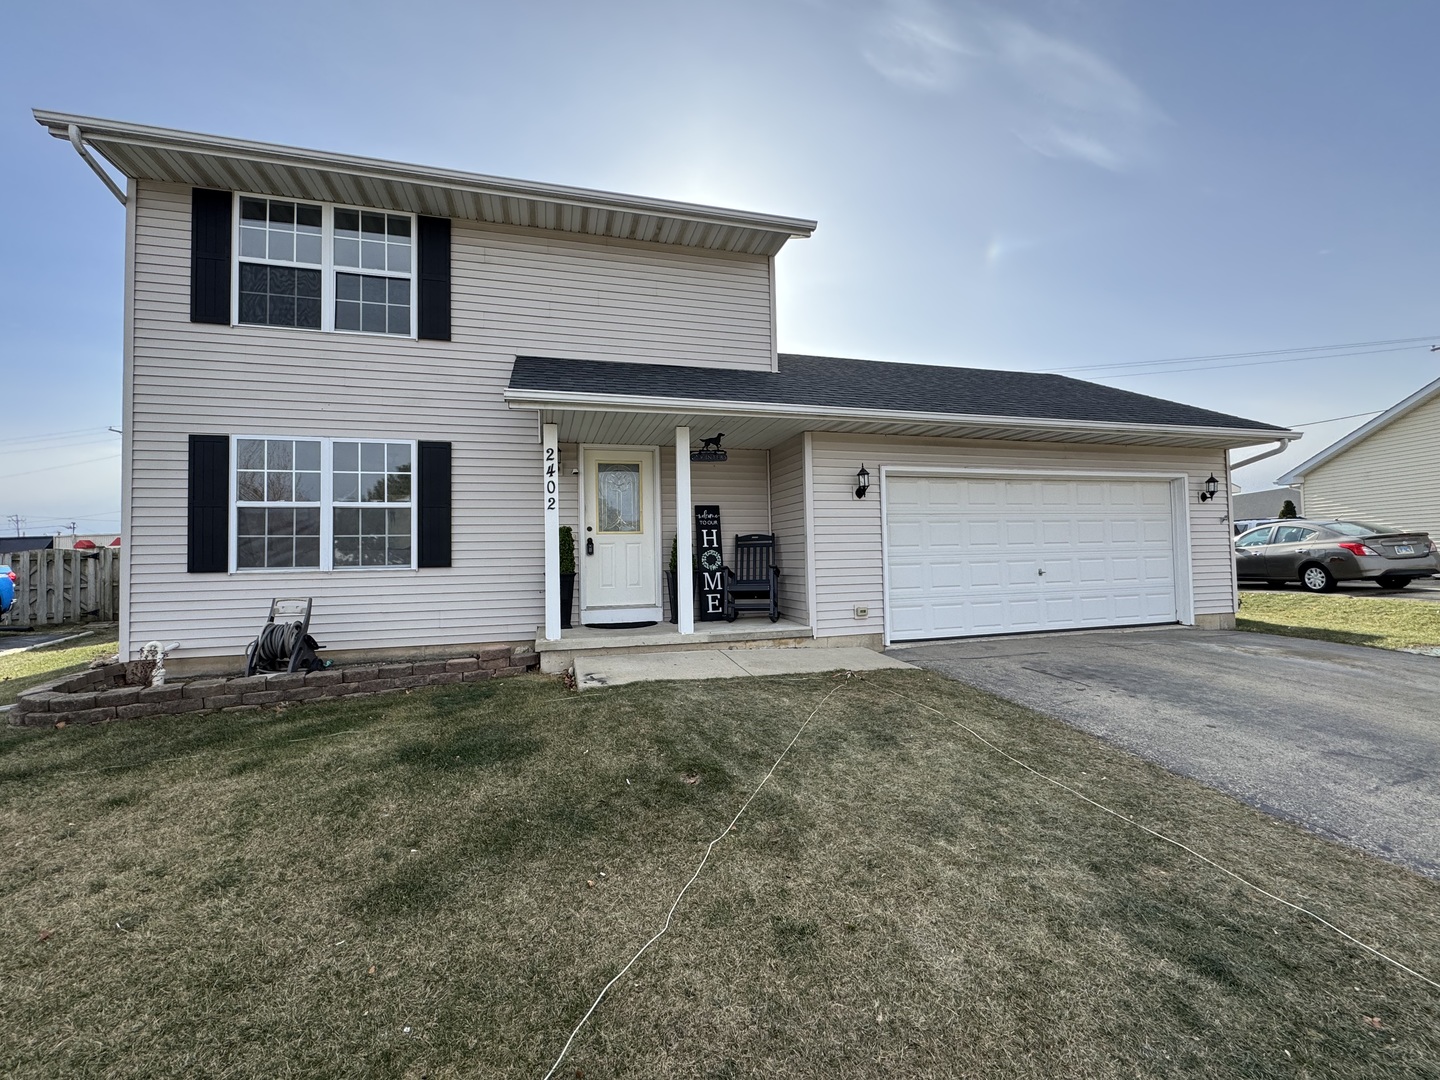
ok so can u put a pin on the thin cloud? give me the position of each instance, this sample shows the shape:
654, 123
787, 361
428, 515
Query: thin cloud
913, 46
1060, 99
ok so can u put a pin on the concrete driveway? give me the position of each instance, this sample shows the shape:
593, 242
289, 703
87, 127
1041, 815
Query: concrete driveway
1341, 738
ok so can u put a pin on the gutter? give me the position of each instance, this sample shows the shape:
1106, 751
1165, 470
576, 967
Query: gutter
243, 150
560, 399
84, 152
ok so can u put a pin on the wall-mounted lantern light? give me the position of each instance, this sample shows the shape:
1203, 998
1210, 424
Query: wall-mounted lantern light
1211, 487
862, 483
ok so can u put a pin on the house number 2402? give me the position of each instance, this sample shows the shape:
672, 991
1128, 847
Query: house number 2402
549, 478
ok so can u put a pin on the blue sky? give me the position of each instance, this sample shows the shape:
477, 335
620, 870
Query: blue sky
1054, 185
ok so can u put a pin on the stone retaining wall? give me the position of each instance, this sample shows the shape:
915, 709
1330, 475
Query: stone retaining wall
101, 696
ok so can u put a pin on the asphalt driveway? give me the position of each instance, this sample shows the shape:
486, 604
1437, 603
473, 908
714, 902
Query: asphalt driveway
1341, 738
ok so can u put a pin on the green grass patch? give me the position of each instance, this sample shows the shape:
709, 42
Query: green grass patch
438, 884
1351, 620
21, 670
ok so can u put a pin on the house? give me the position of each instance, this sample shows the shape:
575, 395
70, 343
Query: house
387, 386
1254, 505
1386, 470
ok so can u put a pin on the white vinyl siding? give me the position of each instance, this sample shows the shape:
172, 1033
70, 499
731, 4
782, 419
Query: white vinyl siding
512, 293
787, 517
847, 536
739, 486
1392, 476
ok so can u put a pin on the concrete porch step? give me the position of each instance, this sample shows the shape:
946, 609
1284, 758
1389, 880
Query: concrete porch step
592, 671
560, 655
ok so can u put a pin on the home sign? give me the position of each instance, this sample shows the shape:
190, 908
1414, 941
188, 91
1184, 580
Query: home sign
710, 559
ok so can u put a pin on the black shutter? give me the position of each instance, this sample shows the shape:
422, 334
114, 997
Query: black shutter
434, 266
210, 256
434, 478
208, 536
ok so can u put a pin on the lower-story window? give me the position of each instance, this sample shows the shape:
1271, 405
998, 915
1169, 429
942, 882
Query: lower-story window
323, 504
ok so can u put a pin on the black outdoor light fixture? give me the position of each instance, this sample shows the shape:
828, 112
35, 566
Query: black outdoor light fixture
1211, 487
862, 483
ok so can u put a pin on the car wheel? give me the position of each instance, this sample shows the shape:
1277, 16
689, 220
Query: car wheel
1317, 579
1393, 582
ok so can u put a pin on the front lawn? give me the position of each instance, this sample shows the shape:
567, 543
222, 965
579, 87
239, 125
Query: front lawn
437, 885
1351, 620
22, 670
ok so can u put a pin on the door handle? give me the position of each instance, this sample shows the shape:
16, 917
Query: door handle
589, 545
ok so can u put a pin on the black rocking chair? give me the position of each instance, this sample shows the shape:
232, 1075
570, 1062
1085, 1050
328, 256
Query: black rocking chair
753, 584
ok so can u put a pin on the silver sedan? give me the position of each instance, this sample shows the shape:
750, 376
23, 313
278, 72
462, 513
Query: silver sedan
1317, 554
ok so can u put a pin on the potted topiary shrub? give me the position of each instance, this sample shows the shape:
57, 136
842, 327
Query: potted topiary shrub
567, 575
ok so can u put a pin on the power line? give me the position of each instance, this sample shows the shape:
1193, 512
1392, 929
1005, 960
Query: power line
1352, 416
1254, 363
1245, 355
74, 464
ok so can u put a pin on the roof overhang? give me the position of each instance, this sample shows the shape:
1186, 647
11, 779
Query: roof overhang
1364, 431
183, 157
644, 420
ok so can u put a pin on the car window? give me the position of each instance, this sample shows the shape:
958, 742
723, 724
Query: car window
1359, 528
1292, 534
1256, 538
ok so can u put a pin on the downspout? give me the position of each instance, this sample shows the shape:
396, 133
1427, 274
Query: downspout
84, 153
1284, 445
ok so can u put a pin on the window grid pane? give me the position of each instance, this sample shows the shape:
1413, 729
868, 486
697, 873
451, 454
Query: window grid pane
293, 233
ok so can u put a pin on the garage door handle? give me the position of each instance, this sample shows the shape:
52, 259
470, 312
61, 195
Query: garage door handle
1041, 572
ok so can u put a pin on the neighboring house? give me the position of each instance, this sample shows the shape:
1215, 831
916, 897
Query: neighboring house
387, 386
1386, 471
1253, 505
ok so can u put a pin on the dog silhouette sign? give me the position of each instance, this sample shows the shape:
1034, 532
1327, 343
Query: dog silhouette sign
710, 449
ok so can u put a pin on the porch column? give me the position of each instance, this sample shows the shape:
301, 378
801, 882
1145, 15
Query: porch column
684, 534
550, 492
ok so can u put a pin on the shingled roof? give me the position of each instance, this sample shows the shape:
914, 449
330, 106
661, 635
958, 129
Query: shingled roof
827, 382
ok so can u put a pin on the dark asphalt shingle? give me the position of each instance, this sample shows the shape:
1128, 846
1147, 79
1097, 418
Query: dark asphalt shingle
835, 382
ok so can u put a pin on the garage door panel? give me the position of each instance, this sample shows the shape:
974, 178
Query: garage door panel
964, 555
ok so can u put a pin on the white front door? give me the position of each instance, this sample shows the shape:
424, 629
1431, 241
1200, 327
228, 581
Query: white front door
619, 549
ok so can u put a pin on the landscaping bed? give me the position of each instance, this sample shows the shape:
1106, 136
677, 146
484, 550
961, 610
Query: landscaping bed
119, 691
438, 884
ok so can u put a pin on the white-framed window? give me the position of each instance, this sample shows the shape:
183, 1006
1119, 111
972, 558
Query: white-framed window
322, 503
317, 266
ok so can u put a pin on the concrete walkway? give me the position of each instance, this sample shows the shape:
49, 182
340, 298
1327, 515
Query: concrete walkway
620, 668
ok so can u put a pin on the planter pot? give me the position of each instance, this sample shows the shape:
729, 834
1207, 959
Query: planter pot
567, 599
674, 596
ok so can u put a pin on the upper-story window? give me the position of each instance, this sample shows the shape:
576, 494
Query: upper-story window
321, 267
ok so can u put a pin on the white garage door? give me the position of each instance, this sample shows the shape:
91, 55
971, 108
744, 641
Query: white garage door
970, 556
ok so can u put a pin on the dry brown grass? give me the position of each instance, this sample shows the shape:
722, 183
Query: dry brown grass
399, 887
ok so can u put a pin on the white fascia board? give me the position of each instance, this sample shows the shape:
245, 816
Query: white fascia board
94, 129
560, 399
1335, 449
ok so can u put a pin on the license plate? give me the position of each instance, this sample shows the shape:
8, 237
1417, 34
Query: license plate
1404, 549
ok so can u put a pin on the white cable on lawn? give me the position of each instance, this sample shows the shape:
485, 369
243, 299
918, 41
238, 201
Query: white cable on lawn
1169, 840
670, 915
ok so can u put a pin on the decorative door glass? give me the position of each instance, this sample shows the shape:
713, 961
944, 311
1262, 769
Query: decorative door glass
618, 503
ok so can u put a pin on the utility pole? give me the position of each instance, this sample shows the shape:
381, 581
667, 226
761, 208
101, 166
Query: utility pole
71, 527
17, 521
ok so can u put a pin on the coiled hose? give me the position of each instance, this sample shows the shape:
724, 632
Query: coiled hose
277, 643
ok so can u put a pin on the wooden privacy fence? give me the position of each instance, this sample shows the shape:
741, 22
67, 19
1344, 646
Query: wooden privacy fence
63, 586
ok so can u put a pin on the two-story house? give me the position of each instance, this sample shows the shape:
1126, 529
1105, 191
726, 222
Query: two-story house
387, 386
